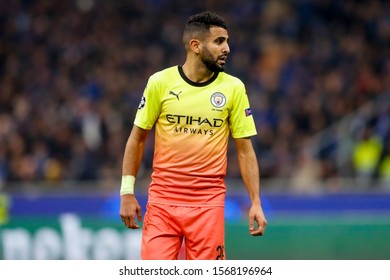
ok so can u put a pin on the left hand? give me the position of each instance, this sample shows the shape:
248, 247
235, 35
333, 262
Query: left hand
257, 221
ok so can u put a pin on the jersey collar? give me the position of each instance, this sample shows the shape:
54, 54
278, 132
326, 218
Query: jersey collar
185, 78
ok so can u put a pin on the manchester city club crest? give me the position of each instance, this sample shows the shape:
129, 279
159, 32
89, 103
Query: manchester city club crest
218, 99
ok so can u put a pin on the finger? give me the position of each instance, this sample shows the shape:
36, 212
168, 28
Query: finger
127, 221
135, 226
132, 223
123, 218
257, 232
251, 224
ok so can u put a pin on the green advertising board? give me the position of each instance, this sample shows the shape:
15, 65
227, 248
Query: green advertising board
74, 236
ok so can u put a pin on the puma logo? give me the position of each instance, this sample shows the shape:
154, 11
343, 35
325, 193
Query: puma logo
175, 94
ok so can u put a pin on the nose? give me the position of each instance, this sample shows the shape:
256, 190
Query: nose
226, 48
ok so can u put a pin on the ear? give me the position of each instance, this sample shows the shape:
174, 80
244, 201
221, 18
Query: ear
195, 46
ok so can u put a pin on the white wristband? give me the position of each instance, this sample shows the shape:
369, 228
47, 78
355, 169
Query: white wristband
127, 185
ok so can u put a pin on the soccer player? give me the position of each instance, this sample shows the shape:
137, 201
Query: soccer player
193, 108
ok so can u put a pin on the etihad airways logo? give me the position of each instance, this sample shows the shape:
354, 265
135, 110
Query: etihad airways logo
191, 120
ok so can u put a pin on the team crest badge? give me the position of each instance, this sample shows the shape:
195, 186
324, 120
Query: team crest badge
218, 99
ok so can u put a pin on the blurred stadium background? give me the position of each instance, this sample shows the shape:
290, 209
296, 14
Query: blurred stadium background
318, 77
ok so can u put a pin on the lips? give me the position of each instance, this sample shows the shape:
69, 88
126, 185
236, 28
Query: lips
222, 58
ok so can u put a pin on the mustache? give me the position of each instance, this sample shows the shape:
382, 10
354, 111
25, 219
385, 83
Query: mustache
222, 57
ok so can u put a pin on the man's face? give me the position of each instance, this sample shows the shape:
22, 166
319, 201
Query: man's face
215, 49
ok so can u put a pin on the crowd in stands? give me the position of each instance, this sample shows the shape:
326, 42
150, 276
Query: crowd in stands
72, 74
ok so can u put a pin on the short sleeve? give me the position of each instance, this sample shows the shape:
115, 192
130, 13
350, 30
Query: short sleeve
149, 106
241, 121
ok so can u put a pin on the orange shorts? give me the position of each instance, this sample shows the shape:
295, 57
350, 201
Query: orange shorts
200, 229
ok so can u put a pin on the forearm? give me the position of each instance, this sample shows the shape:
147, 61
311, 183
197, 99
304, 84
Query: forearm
132, 158
249, 169
250, 174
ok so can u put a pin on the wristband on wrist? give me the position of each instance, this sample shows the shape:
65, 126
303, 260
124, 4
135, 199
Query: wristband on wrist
127, 185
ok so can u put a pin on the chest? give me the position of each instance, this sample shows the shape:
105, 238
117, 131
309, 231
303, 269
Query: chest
199, 105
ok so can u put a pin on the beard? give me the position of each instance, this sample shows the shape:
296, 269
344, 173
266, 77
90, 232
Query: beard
210, 62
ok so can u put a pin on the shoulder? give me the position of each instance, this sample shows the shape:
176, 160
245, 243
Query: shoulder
164, 75
230, 83
233, 80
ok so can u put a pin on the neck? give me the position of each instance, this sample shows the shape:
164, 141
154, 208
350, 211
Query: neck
197, 72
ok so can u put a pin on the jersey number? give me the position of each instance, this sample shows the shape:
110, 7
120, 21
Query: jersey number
221, 252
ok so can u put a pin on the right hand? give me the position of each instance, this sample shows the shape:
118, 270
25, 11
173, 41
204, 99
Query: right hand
129, 210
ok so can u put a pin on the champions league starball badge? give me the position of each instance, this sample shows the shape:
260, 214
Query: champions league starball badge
142, 103
218, 99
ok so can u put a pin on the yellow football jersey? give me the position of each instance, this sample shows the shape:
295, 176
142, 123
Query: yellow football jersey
192, 125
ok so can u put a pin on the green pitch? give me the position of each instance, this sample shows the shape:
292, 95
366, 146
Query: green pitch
350, 236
